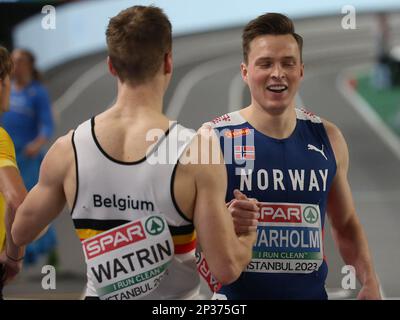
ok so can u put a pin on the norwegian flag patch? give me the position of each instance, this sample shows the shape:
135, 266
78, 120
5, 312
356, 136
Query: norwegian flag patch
245, 152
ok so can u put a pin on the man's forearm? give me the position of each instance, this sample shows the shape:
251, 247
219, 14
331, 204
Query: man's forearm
13, 251
353, 247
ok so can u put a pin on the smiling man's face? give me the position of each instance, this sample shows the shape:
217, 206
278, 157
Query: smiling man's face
273, 72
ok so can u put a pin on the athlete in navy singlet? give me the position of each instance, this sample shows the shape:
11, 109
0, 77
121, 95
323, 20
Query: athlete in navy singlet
295, 164
291, 179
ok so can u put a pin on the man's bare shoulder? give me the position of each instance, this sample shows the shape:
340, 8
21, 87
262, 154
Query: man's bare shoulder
63, 145
334, 133
208, 146
59, 158
203, 157
337, 140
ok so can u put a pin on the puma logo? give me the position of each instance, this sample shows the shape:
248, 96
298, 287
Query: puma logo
314, 148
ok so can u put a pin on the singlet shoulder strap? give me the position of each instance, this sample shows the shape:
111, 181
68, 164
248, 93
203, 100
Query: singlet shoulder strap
228, 119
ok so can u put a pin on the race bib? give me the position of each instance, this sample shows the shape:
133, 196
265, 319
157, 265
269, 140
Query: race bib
289, 239
129, 261
208, 282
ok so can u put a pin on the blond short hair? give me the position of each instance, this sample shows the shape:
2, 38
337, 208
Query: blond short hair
137, 40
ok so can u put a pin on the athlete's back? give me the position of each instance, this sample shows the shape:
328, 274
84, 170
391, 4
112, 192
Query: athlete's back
133, 182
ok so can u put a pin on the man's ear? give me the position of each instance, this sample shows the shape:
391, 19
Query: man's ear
302, 71
168, 63
243, 70
111, 67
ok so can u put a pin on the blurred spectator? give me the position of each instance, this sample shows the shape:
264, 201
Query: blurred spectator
30, 125
381, 76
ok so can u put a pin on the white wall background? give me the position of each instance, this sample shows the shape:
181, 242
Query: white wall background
80, 26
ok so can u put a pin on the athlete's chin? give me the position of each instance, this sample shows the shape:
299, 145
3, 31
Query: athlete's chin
275, 108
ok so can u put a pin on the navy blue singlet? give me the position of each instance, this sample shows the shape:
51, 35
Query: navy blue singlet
292, 178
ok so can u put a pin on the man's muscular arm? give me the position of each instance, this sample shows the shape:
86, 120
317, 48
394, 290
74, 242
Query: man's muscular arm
346, 227
226, 253
47, 199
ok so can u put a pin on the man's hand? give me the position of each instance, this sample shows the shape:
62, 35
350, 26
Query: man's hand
11, 268
32, 149
245, 213
370, 291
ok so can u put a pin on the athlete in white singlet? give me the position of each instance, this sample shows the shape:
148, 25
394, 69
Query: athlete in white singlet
138, 210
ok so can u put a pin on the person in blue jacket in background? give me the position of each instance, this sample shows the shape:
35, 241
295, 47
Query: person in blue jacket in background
30, 124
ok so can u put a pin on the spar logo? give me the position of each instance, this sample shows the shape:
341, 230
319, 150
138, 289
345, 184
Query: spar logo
280, 213
114, 239
310, 214
154, 225
290, 213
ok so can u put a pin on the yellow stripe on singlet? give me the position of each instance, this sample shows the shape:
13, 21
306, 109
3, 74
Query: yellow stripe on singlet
87, 233
184, 239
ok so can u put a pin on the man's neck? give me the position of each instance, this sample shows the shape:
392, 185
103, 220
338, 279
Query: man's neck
136, 100
278, 126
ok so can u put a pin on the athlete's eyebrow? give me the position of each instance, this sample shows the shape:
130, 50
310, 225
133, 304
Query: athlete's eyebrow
289, 58
264, 59
269, 59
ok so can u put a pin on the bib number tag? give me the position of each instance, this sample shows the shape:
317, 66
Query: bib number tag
129, 261
208, 281
289, 239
